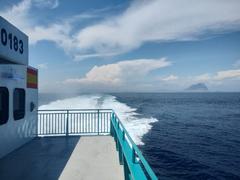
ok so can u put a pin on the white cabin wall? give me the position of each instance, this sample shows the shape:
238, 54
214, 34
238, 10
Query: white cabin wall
13, 134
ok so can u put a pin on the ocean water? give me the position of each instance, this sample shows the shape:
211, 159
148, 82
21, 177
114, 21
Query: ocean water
182, 135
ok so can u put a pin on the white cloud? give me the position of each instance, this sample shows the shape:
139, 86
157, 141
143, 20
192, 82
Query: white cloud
170, 78
143, 21
58, 32
52, 4
17, 14
160, 20
219, 77
121, 72
42, 66
228, 74
203, 77
81, 57
134, 76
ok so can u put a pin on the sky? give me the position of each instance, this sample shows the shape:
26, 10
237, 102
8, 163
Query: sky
130, 46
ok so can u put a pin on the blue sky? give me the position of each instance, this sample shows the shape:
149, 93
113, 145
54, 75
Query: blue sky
138, 45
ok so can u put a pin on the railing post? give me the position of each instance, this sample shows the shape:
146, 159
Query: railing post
126, 169
36, 130
111, 125
117, 144
123, 137
67, 122
98, 121
133, 155
118, 125
120, 154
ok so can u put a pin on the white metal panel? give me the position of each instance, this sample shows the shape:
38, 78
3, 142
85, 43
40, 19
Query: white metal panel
13, 43
13, 134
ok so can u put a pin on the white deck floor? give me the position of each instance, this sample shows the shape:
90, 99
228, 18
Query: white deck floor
93, 158
50, 158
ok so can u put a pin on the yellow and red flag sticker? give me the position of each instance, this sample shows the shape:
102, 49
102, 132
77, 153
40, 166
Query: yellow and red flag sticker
32, 78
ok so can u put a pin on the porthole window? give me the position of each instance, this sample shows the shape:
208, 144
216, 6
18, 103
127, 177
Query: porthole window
4, 105
18, 104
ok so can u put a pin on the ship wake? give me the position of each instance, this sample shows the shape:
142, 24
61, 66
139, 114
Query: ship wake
134, 123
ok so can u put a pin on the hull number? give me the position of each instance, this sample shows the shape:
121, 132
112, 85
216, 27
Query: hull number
11, 41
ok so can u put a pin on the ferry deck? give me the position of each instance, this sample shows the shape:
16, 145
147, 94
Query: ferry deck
63, 158
56, 144
77, 144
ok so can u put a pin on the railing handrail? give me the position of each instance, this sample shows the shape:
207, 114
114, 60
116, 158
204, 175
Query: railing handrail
136, 150
49, 110
53, 122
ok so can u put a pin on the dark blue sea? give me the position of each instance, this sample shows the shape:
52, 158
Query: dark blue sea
195, 135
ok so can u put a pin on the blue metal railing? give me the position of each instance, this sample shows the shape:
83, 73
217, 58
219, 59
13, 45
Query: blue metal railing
97, 122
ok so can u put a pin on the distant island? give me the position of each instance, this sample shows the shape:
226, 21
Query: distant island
199, 87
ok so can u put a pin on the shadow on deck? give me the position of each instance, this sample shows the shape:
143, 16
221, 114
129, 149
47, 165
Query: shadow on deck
41, 158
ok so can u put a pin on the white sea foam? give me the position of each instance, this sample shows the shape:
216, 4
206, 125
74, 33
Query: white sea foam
136, 126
